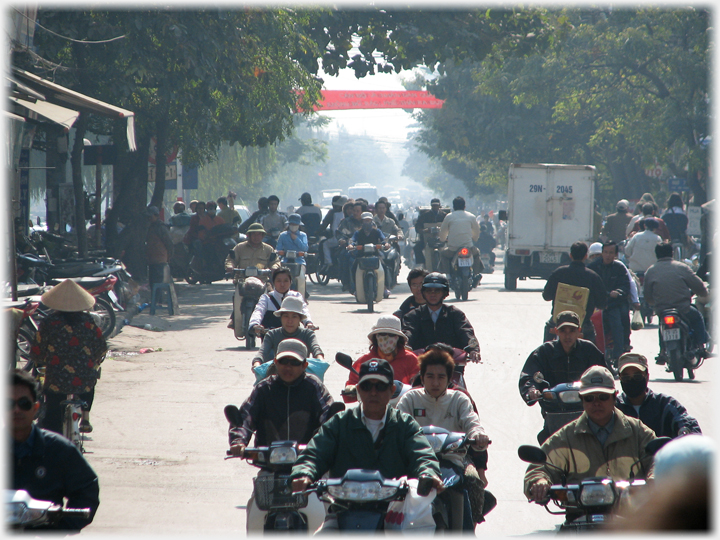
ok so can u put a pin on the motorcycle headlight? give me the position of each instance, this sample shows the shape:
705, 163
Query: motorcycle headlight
291, 254
569, 396
361, 491
601, 494
21, 512
369, 248
282, 455
436, 441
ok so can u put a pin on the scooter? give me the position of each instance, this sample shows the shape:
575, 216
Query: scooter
369, 275
273, 506
24, 512
346, 361
250, 284
591, 503
392, 262
431, 234
676, 345
560, 405
289, 259
461, 273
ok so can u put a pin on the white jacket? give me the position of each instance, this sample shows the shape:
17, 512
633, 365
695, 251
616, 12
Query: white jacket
640, 250
460, 229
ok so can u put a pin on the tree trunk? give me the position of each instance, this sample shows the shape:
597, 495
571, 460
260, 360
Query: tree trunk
76, 166
160, 160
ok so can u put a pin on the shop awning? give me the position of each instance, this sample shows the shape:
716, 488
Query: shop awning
64, 97
54, 113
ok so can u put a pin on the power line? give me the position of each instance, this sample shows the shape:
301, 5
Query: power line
67, 38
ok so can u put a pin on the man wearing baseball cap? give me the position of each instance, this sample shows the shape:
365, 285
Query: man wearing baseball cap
602, 442
367, 234
370, 436
563, 360
427, 218
660, 412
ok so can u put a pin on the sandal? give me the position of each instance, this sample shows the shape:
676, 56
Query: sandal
85, 426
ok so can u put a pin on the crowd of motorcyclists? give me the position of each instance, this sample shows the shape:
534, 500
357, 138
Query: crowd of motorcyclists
412, 376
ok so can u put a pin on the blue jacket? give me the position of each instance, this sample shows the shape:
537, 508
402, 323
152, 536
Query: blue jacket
661, 413
286, 243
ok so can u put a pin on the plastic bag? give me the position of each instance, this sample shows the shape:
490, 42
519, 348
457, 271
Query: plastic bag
637, 322
315, 367
414, 514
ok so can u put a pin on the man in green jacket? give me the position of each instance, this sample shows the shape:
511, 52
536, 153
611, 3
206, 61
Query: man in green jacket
602, 442
369, 436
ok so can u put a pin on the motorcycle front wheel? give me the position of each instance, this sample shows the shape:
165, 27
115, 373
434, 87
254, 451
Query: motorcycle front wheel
370, 292
105, 315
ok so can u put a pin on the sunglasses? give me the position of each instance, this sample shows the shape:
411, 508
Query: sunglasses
592, 397
638, 377
366, 386
287, 361
24, 403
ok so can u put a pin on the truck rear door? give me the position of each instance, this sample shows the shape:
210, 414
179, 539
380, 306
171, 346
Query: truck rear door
570, 198
527, 203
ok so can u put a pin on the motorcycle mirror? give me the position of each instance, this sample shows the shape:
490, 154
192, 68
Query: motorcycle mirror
538, 377
656, 444
232, 415
532, 454
346, 361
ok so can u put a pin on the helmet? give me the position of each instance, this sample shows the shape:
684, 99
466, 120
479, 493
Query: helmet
294, 219
436, 280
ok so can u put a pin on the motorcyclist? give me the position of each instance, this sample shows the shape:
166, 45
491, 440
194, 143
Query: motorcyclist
460, 229
602, 442
415, 279
329, 225
383, 222
660, 412
180, 217
345, 231
672, 284
387, 342
310, 214
676, 219
291, 315
294, 240
560, 361
640, 249
256, 216
436, 405
367, 234
199, 232
263, 317
251, 253
486, 243
288, 406
372, 436
434, 322
273, 222
434, 215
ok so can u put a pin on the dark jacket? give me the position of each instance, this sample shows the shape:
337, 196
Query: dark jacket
557, 366
54, 469
408, 305
661, 413
578, 275
374, 236
452, 327
277, 411
327, 223
344, 442
614, 277
429, 217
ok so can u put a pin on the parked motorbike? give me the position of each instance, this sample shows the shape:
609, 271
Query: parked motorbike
274, 507
24, 512
461, 273
560, 405
369, 275
677, 348
346, 361
289, 259
250, 284
590, 503
211, 266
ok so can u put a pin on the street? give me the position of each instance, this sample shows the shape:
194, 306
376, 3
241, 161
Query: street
160, 435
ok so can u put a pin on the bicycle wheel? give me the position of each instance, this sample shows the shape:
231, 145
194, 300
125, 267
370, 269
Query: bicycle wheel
322, 274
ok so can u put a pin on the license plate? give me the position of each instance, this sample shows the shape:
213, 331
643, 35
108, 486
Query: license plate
671, 334
550, 257
252, 271
465, 262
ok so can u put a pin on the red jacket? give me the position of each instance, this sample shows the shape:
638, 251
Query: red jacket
405, 366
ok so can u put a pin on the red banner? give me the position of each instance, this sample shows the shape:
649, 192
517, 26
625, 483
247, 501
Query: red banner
334, 100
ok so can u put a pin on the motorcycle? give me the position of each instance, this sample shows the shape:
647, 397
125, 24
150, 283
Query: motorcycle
271, 237
461, 273
289, 259
325, 272
676, 345
592, 502
211, 266
347, 362
392, 262
24, 512
560, 405
369, 275
250, 284
433, 244
646, 310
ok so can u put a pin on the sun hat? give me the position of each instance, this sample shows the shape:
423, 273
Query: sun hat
595, 249
68, 296
568, 318
596, 379
366, 215
376, 369
387, 324
292, 347
294, 219
632, 359
256, 227
291, 304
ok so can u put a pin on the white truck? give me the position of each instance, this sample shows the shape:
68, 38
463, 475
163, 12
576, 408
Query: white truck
550, 207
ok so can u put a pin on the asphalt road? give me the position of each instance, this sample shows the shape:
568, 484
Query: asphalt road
160, 434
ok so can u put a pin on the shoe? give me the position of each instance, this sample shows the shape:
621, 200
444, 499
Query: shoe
85, 426
477, 280
231, 325
386, 294
704, 353
659, 360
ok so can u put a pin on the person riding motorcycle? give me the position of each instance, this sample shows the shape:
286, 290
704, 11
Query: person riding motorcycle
367, 234
384, 222
345, 231
435, 322
199, 233
293, 239
263, 317
310, 214
256, 216
562, 360
329, 225
415, 279
434, 215
387, 342
460, 229
436, 405
486, 243
602, 442
252, 252
273, 222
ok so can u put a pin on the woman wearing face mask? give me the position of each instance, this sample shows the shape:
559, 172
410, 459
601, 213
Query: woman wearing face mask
293, 239
387, 342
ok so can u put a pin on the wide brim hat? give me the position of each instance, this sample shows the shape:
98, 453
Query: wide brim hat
295, 219
256, 227
68, 296
291, 304
387, 324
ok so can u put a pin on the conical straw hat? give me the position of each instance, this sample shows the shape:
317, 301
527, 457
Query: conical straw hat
68, 296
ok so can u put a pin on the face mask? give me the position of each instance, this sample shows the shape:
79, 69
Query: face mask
387, 344
294, 228
367, 227
634, 388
